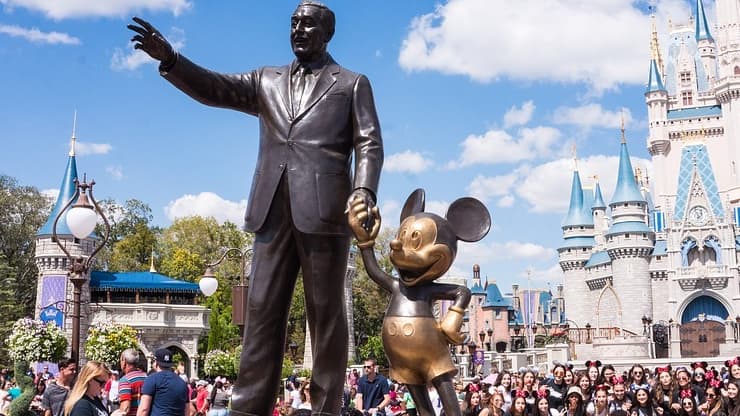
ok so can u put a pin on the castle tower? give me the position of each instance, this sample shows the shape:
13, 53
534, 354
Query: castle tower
629, 243
705, 43
54, 290
656, 98
598, 211
578, 242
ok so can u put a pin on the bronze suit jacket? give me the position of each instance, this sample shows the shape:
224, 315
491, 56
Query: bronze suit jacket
314, 148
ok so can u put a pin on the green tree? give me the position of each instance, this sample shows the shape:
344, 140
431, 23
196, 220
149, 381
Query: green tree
185, 247
369, 300
132, 237
23, 210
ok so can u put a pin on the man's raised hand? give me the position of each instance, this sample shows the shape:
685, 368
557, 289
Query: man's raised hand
149, 40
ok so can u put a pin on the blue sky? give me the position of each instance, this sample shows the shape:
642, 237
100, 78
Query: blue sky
475, 97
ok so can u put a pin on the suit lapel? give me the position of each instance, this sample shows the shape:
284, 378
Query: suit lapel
326, 80
283, 86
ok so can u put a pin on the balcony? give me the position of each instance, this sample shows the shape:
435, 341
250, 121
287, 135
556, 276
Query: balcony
703, 277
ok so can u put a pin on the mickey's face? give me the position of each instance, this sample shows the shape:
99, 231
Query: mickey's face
419, 251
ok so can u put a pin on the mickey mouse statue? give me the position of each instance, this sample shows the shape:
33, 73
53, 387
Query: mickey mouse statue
424, 249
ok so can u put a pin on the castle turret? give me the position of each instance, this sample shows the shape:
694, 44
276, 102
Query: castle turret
705, 43
54, 290
578, 241
598, 211
629, 243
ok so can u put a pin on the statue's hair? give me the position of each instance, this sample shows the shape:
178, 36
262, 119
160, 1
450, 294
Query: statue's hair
328, 20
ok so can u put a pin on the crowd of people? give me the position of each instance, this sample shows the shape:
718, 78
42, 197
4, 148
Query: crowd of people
593, 389
100, 391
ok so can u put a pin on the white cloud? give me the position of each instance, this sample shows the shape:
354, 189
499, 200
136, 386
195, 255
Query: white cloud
133, 58
56, 9
83, 148
52, 194
207, 204
36, 36
408, 161
552, 274
487, 187
547, 187
498, 146
506, 201
116, 172
519, 116
437, 207
592, 115
569, 41
488, 253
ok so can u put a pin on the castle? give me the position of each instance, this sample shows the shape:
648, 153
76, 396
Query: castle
665, 254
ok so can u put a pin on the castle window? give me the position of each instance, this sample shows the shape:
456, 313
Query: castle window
626, 236
685, 77
657, 258
644, 235
687, 98
737, 70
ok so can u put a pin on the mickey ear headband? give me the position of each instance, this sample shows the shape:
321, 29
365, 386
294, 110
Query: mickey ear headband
617, 380
522, 393
734, 361
666, 369
602, 387
701, 364
543, 393
596, 363
686, 394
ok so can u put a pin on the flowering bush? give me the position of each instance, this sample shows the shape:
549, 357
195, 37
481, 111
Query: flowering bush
107, 340
219, 363
32, 340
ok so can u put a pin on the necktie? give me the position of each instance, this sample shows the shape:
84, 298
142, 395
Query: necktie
299, 88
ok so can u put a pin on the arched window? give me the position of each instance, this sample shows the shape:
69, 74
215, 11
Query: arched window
737, 70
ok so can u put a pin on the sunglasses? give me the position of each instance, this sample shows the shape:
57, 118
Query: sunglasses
688, 404
711, 396
637, 373
101, 382
682, 378
368, 366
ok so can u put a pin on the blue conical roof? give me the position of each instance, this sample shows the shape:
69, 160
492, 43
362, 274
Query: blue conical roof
576, 215
702, 25
627, 189
655, 82
66, 192
598, 199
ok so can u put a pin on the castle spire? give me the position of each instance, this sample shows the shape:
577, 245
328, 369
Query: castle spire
598, 198
627, 189
575, 214
702, 25
66, 192
151, 265
74, 138
655, 79
654, 45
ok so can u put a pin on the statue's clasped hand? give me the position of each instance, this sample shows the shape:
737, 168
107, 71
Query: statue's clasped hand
364, 221
151, 41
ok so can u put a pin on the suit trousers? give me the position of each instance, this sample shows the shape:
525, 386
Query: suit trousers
280, 250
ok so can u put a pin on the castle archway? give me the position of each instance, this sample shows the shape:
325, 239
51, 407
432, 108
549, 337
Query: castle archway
702, 326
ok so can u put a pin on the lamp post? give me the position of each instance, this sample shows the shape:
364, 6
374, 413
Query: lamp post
489, 331
471, 350
517, 330
293, 349
209, 284
588, 333
482, 337
81, 219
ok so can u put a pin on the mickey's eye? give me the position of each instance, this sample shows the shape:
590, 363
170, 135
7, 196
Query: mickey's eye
415, 241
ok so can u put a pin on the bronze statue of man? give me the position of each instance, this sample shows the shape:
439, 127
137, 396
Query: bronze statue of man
314, 116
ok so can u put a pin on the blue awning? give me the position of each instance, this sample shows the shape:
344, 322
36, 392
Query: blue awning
132, 281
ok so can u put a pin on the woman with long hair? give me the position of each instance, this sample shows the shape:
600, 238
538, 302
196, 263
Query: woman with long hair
471, 405
638, 378
688, 405
732, 403
607, 372
218, 401
504, 386
542, 404
684, 388
619, 400
643, 406
569, 377
518, 404
599, 405
584, 383
663, 389
84, 399
592, 369
713, 395
733, 365
495, 405
529, 379
305, 394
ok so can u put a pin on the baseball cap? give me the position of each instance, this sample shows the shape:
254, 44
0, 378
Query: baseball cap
163, 357
201, 383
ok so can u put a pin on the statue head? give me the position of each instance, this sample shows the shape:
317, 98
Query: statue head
311, 29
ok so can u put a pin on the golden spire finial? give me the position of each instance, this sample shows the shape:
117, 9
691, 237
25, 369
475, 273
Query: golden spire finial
151, 266
654, 45
73, 139
624, 139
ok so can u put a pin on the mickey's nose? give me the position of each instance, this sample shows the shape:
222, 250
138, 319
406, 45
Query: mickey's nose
396, 244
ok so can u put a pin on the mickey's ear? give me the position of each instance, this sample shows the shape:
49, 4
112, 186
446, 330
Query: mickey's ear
469, 218
414, 204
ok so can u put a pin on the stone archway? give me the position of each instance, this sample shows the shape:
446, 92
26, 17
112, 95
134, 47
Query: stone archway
608, 300
702, 326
